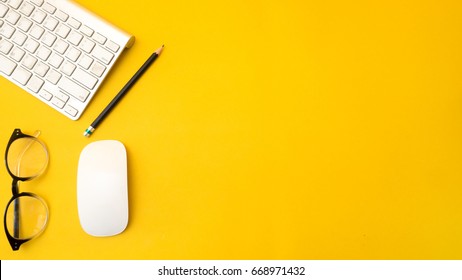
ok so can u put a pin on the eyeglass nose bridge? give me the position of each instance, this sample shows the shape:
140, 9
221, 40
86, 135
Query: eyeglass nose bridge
15, 186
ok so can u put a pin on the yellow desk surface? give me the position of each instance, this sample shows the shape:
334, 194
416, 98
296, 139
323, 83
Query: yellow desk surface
267, 130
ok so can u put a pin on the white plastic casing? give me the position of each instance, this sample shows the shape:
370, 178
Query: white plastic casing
102, 188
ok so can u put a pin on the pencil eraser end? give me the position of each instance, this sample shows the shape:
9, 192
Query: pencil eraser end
88, 131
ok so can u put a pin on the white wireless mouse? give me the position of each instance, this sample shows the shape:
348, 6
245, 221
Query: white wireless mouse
102, 194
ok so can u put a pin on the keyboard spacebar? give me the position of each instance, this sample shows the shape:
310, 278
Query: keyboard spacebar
73, 89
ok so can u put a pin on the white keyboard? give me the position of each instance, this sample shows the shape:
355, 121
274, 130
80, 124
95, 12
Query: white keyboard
57, 51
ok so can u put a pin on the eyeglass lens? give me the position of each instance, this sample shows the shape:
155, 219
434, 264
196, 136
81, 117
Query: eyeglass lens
26, 217
26, 158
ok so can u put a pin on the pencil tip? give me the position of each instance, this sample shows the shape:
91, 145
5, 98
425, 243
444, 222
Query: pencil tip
159, 50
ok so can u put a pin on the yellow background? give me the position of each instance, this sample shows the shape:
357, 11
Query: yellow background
268, 130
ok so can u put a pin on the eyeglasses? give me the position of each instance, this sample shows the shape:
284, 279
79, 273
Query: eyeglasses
26, 214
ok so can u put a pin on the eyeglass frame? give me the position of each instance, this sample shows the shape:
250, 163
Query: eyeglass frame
14, 242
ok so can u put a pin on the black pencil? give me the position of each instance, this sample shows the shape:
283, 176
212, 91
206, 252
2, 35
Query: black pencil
122, 92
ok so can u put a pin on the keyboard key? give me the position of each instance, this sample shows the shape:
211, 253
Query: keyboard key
15, 3
62, 96
85, 61
41, 69
38, 16
37, 2
26, 9
68, 68
71, 110
6, 65
62, 31
99, 38
87, 45
112, 46
73, 89
31, 45
12, 17
74, 23
45, 95
24, 24
62, 15
29, 61
35, 84
7, 31
19, 38
49, 8
21, 75
48, 39
86, 30
36, 32
73, 54
102, 54
17, 54
5, 46
84, 78
53, 76
75, 38
43, 53
3, 10
61, 46
57, 102
97, 69
55, 60
50, 23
